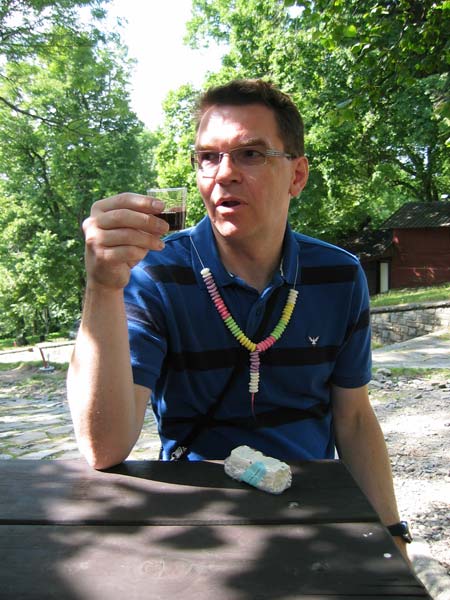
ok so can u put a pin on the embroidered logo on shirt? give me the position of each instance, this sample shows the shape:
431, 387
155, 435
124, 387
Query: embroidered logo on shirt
314, 340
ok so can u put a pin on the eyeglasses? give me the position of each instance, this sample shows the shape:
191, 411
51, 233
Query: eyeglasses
208, 161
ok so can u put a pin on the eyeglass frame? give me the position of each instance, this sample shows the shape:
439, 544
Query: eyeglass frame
267, 152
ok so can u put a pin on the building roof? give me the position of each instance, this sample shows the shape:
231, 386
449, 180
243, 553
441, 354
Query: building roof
369, 244
420, 215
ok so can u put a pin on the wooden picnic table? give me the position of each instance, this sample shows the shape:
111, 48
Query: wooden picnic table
150, 529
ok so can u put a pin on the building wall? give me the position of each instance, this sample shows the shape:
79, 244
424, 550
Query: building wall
371, 269
420, 257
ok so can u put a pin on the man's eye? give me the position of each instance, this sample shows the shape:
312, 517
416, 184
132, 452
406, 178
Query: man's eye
249, 155
210, 157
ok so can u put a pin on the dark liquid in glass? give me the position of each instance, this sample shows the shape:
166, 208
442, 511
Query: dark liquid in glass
175, 219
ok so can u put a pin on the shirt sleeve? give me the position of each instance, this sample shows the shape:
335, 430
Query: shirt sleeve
146, 327
353, 366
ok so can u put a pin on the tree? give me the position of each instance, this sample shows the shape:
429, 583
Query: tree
29, 28
372, 144
67, 137
394, 43
175, 141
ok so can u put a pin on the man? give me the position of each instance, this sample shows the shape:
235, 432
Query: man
240, 330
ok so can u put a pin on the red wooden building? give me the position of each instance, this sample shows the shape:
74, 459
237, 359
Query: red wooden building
411, 248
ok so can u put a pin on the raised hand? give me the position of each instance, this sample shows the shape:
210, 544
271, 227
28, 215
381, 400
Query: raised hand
119, 232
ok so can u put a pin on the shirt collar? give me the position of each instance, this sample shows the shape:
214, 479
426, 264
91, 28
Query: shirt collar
205, 243
291, 257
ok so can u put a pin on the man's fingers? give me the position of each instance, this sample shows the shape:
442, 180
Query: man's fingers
128, 210
125, 237
117, 219
115, 257
130, 201
119, 233
110, 267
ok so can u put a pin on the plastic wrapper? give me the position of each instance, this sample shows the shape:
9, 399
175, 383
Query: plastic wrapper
263, 472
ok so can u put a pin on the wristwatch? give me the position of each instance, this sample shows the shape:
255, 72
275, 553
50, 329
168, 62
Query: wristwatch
401, 530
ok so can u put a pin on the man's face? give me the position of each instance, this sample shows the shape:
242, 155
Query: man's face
247, 203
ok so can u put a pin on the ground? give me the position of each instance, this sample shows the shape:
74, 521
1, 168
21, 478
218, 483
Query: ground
414, 413
413, 409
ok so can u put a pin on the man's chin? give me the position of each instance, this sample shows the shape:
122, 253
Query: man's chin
227, 228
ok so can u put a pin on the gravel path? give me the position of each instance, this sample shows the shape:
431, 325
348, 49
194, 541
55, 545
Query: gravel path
414, 412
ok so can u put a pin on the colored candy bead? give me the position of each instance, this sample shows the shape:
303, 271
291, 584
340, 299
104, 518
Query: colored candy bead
240, 336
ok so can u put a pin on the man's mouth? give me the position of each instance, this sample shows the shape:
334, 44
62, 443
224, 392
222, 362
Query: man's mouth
228, 203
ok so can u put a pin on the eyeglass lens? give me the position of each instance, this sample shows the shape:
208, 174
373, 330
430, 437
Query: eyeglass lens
241, 157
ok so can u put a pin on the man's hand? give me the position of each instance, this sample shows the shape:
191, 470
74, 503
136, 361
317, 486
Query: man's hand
119, 233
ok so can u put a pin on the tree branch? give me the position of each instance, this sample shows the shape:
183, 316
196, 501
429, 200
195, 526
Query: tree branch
28, 113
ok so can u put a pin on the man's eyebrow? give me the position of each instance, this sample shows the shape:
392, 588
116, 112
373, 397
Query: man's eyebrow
252, 142
242, 144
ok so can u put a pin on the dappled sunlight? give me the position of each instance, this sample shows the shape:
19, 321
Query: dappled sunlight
177, 528
404, 423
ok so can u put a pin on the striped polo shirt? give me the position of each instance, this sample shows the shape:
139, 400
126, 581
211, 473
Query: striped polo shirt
182, 350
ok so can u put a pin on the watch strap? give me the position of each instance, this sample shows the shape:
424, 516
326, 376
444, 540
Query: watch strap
401, 529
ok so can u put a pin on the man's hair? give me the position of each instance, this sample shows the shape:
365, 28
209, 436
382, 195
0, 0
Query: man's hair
241, 92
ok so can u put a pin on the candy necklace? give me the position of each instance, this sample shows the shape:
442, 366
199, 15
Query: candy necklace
254, 348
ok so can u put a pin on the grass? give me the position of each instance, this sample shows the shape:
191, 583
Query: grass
412, 295
8, 343
416, 372
31, 366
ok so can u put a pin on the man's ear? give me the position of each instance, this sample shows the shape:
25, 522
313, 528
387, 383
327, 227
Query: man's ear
300, 170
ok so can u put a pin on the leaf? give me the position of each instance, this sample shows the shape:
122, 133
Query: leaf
350, 31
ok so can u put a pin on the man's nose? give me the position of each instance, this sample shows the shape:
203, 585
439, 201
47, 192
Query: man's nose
227, 169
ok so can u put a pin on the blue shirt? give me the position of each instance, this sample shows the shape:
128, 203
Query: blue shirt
183, 352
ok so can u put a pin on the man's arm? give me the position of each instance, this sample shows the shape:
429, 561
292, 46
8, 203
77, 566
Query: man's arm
361, 446
107, 408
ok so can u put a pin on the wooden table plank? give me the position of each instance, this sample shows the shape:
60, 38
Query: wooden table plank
152, 492
326, 561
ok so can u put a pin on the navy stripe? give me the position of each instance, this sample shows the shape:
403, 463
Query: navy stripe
230, 357
329, 274
272, 418
171, 274
309, 275
207, 360
362, 323
140, 315
364, 320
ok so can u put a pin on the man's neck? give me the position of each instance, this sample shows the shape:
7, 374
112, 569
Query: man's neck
255, 266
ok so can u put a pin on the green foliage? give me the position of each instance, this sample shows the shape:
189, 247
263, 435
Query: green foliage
373, 107
67, 138
370, 78
394, 44
175, 142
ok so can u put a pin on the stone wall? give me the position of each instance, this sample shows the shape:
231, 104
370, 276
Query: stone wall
392, 324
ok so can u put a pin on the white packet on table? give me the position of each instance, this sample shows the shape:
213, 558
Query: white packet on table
263, 472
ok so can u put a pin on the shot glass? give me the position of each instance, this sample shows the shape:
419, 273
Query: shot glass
174, 205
